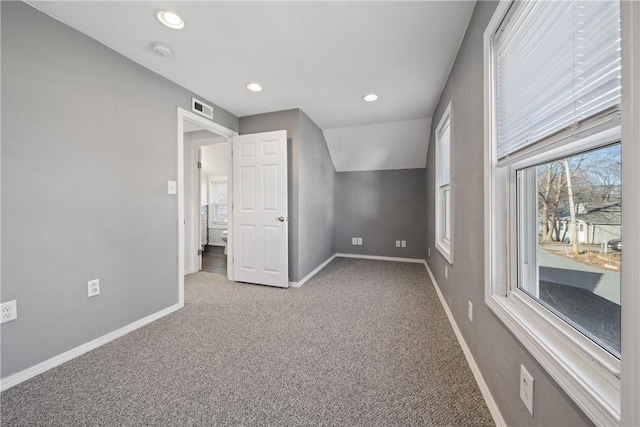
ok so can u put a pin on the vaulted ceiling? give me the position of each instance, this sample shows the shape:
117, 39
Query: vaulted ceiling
321, 57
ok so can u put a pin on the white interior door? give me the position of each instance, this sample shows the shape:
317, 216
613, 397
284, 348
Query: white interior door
260, 226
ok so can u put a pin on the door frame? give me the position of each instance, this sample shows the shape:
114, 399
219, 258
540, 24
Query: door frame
182, 116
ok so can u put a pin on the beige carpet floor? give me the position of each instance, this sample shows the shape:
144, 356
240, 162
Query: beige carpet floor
364, 343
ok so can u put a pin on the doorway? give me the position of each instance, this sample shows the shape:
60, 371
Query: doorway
195, 131
213, 168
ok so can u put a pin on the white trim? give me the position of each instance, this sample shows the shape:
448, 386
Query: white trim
482, 385
31, 372
190, 271
220, 130
630, 387
380, 258
313, 273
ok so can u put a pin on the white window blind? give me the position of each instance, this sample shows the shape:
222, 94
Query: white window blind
444, 149
557, 63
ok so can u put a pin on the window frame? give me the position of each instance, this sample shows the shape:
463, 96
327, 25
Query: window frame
442, 216
589, 377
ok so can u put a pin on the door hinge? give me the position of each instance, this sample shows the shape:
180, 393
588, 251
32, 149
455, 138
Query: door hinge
199, 251
199, 165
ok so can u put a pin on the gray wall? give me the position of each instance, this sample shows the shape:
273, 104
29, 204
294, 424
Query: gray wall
288, 120
381, 207
496, 351
316, 177
88, 145
311, 187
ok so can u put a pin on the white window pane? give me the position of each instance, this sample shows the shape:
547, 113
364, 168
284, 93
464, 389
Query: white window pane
447, 214
444, 156
220, 213
576, 241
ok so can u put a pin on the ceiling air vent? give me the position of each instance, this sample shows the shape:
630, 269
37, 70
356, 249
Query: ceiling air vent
202, 108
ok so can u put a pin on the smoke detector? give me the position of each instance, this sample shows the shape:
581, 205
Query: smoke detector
161, 49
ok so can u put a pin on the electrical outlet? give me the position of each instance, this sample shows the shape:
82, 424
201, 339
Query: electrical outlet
93, 287
446, 272
354, 240
360, 241
397, 243
470, 311
404, 243
526, 389
9, 311
172, 187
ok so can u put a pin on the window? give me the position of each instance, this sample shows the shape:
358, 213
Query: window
553, 184
218, 202
444, 238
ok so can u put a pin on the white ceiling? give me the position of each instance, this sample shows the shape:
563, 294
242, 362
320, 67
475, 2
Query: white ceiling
214, 159
394, 145
321, 57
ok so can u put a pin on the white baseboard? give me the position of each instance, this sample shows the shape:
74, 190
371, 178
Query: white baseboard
17, 378
484, 389
189, 271
381, 258
313, 273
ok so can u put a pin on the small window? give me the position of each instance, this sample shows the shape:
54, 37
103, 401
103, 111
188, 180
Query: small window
219, 202
444, 226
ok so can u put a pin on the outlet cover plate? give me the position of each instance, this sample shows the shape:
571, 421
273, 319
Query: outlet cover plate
397, 243
360, 241
172, 187
93, 288
526, 389
9, 311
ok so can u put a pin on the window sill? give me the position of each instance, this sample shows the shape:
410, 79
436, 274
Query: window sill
218, 226
595, 391
445, 250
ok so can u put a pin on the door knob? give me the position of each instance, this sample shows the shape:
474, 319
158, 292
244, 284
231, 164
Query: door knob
281, 219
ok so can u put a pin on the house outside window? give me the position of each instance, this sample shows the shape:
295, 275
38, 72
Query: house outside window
554, 180
444, 226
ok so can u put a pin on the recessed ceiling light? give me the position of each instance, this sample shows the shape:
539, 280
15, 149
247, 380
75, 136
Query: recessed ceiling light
370, 97
254, 87
170, 19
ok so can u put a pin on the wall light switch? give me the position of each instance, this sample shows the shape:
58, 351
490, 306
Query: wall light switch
360, 241
172, 187
470, 311
354, 240
404, 243
446, 272
428, 251
397, 243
